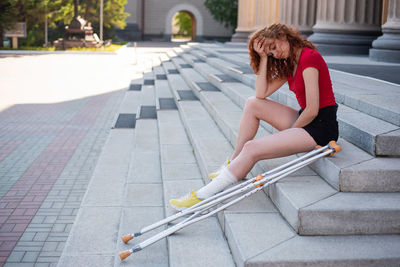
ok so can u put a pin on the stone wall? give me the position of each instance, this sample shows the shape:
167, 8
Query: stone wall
159, 14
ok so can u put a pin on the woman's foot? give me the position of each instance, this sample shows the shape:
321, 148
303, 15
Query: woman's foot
184, 202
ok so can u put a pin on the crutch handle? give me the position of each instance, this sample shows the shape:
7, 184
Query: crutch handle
126, 238
124, 254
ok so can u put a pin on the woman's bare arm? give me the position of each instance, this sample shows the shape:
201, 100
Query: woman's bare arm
310, 76
263, 87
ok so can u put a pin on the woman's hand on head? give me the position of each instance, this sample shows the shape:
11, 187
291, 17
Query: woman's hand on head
259, 46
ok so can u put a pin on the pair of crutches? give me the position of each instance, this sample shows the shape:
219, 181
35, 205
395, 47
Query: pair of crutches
206, 208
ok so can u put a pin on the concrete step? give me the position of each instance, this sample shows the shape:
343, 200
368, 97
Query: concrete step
253, 227
343, 171
375, 135
180, 174
302, 251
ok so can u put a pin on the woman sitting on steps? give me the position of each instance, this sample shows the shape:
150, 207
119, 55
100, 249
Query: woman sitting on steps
278, 54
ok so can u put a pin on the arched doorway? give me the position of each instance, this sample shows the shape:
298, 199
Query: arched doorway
196, 17
183, 26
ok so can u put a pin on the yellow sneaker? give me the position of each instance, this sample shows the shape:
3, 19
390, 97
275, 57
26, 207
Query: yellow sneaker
216, 173
185, 201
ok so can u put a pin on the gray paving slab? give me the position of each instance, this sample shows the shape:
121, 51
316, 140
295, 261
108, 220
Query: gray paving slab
146, 135
145, 168
180, 171
201, 244
147, 75
86, 260
130, 102
177, 153
384, 107
176, 83
388, 143
248, 237
133, 219
162, 89
143, 195
158, 70
191, 59
95, 232
107, 184
332, 251
168, 117
352, 213
293, 193
148, 96
377, 174
172, 134
256, 203
168, 65
364, 131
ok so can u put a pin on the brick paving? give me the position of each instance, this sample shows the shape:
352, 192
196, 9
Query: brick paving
48, 152
35, 207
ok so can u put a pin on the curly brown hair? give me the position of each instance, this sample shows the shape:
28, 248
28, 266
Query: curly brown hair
278, 68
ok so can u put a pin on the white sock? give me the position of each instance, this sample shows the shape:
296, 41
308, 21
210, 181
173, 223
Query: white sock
218, 184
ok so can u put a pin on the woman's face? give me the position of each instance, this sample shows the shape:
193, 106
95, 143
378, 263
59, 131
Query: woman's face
278, 48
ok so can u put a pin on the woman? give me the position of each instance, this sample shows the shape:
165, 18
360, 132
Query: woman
278, 54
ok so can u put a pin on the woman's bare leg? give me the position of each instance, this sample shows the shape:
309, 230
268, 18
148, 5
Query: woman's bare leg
278, 115
280, 144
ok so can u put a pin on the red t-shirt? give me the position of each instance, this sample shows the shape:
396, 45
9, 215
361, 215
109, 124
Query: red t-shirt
311, 58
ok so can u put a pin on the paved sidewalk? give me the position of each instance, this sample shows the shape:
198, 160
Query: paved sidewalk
56, 111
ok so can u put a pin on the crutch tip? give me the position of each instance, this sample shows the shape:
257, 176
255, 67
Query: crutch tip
124, 254
335, 146
126, 238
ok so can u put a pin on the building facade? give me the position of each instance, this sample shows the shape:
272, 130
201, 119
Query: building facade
335, 26
152, 20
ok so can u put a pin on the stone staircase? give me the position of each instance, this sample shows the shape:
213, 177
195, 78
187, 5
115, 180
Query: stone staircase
342, 210
351, 198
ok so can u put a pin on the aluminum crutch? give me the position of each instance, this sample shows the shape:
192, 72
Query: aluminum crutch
193, 209
259, 182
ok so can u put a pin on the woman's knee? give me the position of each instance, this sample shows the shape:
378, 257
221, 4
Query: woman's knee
249, 150
251, 105
251, 102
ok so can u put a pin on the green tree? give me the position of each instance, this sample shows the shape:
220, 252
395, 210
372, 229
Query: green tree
8, 14
114, 14
59, 13
184, 22
223, 11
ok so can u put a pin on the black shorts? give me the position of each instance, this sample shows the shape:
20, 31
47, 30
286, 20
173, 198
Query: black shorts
324, 128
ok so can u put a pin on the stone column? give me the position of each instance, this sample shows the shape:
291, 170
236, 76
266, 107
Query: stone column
299, 13
246, 20
346, 26
267, 13
387, 46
